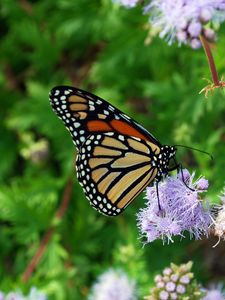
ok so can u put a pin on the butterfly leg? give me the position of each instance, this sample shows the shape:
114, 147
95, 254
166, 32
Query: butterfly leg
179, 168
157, 193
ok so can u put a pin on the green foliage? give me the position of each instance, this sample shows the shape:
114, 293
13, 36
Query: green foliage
99, 47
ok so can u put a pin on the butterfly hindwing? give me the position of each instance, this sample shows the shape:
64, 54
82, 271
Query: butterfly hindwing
84, 113
113, 169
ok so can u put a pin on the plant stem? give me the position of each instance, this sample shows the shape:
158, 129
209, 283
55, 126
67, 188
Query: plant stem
47, 236
211, 62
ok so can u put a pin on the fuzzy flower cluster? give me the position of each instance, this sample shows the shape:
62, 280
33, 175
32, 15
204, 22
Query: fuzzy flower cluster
34, 294
176, 283
113, 285
215, 293
184, 20
181, 209
219, 222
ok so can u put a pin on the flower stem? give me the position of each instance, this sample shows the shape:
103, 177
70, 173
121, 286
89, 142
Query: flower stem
45, 240
211, 62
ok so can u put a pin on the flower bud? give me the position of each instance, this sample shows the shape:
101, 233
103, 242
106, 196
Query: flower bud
194, 29
209, 34
181, 289
195, 44
163, 295
205, 15
182, 36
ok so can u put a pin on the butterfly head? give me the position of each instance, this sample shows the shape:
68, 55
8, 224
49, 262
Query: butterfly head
163, 159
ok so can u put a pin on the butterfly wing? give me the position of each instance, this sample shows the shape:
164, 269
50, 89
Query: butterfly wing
84, 113
113, 169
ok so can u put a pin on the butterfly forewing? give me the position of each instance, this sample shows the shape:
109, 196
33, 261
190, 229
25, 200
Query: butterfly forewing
113, 169
84, 114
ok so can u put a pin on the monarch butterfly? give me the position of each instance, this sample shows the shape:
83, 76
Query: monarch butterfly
116, 157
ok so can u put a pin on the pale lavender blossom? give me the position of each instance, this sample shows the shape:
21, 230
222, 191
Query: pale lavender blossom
170, 286
173, 296
167, 271
181, 209
185, 279
214, 293
176, 290
185, 20
219, 218
174, 277
127, 3
34, 294
113, 285
163, 295
222, 197
180, 289
160, 284
14, 296
158, 278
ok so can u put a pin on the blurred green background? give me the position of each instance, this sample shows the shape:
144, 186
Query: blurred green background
99, 47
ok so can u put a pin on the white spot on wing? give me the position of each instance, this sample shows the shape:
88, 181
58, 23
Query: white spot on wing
82, 139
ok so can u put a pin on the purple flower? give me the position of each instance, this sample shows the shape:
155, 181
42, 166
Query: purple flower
127, 3
167, 271
219, 218
170, 286
222, 197
194, 29
158, 278
181, 209
14, 296
185, 279
113, 285
181, 289
174, 277
214, 294
173, 289
34, 294
163, 295
184, 20
173, 296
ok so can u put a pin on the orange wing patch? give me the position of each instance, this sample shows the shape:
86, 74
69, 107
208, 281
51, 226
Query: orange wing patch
98, 126
115, 125
126, 129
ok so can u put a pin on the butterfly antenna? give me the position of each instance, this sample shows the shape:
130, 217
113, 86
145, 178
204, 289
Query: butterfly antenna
195, 149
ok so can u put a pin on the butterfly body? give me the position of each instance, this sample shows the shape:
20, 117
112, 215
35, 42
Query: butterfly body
117, 158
